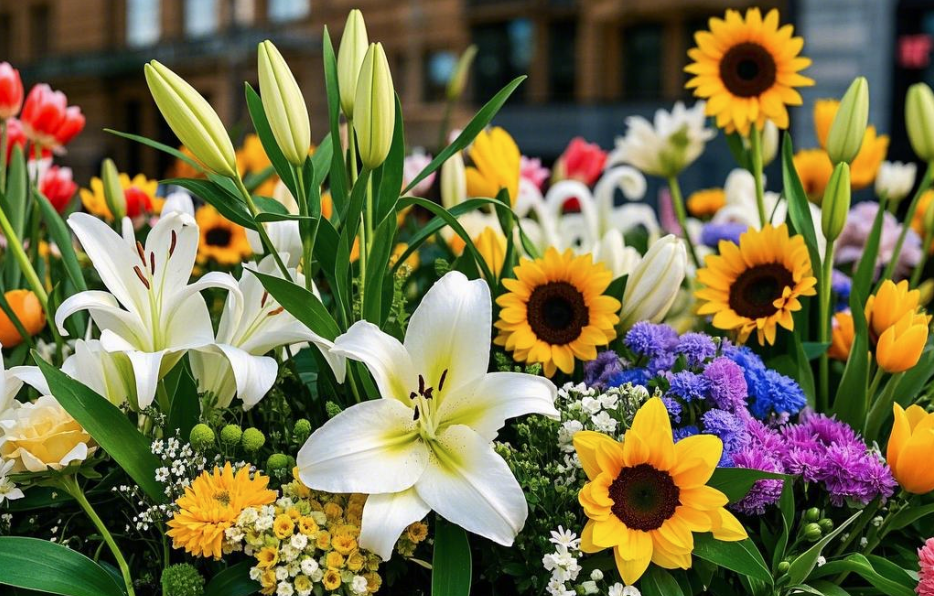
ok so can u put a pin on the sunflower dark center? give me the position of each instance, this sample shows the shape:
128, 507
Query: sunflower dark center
747, 70
222, 497
644, 497
557, 312
218, 237
755, 291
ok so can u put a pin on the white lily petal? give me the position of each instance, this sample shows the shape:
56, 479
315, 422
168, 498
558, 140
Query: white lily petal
468, 484
385, 517
179, 201
255, 375
384, 356
146, 368
377, 440
173, 245
188, 325
211, 370
32, 376
449, 331
498, 396
105, 311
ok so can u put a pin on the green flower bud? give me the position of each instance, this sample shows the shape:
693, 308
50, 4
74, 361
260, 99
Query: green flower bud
277, 462
230, 435
783, 567
113, 190
826, 525
453, 181
192, 119
252, 440
836, 203
284, 105
919, 120
375, 108
182, 579
849, 124
812, 532
301, 430
354, 44
332, 409
201, 437
459, 79
812, 514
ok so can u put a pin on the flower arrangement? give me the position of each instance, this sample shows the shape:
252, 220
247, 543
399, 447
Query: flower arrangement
289, 370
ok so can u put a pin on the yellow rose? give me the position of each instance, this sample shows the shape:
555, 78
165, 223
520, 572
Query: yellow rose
41, 435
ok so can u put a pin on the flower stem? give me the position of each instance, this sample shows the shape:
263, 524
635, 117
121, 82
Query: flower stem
16, 247
3, 144
824, 328
882, 407
677, 200
909, 215
261, 228
925, 250
70, 485
755, 143
308, 240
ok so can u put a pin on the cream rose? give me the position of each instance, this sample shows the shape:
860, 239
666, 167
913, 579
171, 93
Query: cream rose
41, 435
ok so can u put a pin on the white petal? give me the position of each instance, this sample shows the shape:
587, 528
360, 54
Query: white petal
468, 484
173, 245
32, 376
255, 375
146, 368
386, 358
179, 201
105, 311
78, 453
372, 447
450, 331
188, 325
214, 279
211, 370
385, 517
485, 406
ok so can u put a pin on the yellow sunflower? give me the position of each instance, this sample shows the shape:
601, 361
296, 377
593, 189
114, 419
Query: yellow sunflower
647, 495
221, 240
747, 70
705, 203
555, 312
756, 285
211, 505
139, 193
871, 154
814, 169
496, 165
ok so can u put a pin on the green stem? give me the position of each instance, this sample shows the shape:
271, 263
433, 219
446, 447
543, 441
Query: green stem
909, 215
307, 240
16, 247
881, 409
677, 200
755, 142
3, 144
369, 214
70, 485
261, 228
925, 250
824, 327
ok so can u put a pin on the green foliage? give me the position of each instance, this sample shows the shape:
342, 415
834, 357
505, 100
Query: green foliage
45, 566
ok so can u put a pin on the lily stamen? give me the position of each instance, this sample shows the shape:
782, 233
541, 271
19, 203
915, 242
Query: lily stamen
142, 278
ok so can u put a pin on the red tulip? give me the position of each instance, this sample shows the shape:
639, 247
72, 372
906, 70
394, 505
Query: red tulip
71, 125
47, 119
583, 161
58, 187
11, 91
14, 137
137, 202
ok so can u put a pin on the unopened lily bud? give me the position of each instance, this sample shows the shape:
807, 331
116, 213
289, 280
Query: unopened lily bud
653, 285
769, 142
354, 44
113, 190
284, 105
836, 204
919, 120
375, 106
849, 124
192, 119
454, 181
459, 79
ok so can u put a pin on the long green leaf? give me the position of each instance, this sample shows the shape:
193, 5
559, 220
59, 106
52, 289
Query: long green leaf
230, 206
889, 584
742, 557
391, 182
233, 581
338, 178
108, 426
159, 146
658, 582
377, 267
301, 304
451, 564
321, 159
799, 210
62, 237
802, 567
34, 564
14, 201
736, 482
186, 407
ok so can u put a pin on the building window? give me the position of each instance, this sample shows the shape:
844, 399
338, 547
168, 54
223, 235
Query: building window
439, 68
288, 10
504, 51
143, 22
201, 17
642, 61
39, 30
562, 57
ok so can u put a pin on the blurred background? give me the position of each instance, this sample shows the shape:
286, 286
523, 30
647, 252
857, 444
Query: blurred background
590, 63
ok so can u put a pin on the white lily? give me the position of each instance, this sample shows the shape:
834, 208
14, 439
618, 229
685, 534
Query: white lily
248, 330
151, 313
653, 285
284, 235
110, 374
896, 179
427, 443
8, 490
10, 385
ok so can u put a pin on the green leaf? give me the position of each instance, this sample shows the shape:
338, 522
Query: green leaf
14, 201
473, 128
658, 582
736, 482
801, 567
62, 237
183, 391
272, 207
451, 564
158, 146
813, 349
338, 178
799, 210
881, 574
916, 378
321, 160
377, 265
826, 588
391, 182
909, 515
230, 206
51, 568
786, 505
735, 143
742, 557
109, 426
270, 146
301, 304
233, 581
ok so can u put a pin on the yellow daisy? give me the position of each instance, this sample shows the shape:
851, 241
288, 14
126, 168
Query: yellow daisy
705, 203
496, 162
814, 169
647, 495
747, 70
555, 312
139, 192
221, 240
871, 154
211, 505
756, 285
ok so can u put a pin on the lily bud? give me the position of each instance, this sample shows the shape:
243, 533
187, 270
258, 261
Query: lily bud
284, 105
354, 44
653, 285
769, 142
849, 124
113, 190
454, 181
192, 119
375, 108
459, 79
919, 120
836, 204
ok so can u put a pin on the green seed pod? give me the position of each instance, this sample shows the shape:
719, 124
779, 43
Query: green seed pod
812, 532
826, 525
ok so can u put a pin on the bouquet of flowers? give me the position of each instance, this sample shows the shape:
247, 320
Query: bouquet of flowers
335, 364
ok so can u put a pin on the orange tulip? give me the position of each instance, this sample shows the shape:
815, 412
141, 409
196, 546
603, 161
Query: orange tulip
909, 451
899, 348
887, 306
842, 336
28, 310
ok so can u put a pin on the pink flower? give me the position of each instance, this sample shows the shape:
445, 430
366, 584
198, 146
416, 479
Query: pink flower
58, 187
852, 241
531, 169
11, 91
412, 167
926, 575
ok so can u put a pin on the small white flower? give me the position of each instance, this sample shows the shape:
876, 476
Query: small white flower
358, 585
309, 567
603, 423
255, 573
609, 401
284, 588
863, 541
589, 587
591, 405
8, 490
565, 538
821, 561
299, 541
877, 521
895, 179
596, 575
282, 573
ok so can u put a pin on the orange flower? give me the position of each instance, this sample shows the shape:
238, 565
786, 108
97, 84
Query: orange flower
25, 305
842, 336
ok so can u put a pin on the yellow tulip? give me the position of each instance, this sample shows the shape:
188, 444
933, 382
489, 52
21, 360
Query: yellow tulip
496, 159
887, 306
910, 446
492, 247
900, 346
